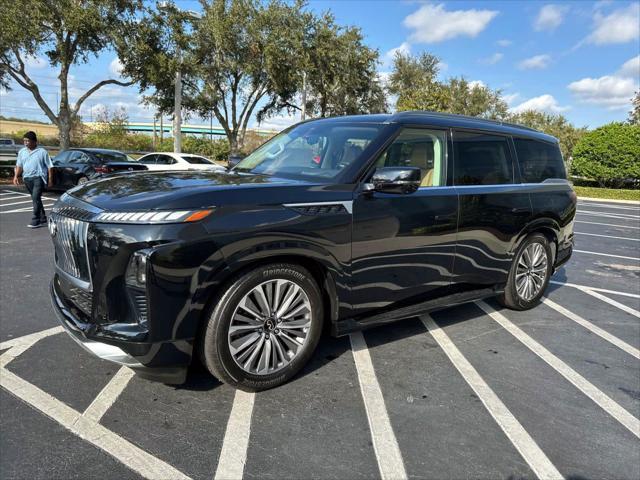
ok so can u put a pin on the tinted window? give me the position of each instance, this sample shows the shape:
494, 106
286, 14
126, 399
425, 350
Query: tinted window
164, 160
197, 160
62, 157
4, 141
148, 159
78, 157
481, 159
539, 160
416, 147
111, 157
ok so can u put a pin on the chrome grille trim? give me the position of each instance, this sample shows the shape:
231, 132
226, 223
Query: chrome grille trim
70, 242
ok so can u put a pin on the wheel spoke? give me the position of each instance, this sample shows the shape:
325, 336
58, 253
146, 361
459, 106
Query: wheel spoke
288, 299
261, 301
244, 304
244, 342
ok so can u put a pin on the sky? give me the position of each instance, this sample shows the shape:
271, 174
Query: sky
577, 58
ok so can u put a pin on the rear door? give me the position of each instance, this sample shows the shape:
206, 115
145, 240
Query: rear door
493, 207
404, 244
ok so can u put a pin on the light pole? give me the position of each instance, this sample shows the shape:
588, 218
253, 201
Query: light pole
177, 95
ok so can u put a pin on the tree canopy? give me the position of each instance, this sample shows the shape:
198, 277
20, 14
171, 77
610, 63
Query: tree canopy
66, 33
414, 81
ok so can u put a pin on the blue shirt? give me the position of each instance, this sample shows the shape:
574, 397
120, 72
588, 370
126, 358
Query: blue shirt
34, 163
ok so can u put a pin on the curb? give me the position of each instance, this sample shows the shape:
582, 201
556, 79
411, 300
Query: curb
608, 200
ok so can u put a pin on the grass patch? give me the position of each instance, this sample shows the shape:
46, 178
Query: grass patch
612, 193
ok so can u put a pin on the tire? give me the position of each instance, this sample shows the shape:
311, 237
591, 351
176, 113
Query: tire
228, 322
522, 298
82, 180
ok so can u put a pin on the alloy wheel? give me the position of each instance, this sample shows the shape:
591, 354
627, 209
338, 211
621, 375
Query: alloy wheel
269, 326
532, 271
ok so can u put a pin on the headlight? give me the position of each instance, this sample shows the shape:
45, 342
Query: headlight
136, 275
170, 216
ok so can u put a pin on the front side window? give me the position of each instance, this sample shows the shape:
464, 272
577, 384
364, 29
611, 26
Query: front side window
78, 157
539, 160
481, 159
315, 151
421, 148
105, 157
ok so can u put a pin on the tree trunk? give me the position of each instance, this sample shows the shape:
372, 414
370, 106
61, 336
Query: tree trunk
64, 126
233, 143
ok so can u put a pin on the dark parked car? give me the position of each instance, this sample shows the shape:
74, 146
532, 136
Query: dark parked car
346, 223
79, 165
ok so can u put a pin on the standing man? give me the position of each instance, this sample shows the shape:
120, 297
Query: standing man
35, 166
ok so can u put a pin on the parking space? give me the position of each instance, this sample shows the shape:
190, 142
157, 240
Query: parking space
473, 391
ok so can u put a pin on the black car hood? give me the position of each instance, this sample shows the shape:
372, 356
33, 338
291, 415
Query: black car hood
175, 190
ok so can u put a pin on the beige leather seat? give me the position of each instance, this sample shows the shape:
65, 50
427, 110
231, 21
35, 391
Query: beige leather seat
420, 155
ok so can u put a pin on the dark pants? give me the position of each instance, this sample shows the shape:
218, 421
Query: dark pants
35, 185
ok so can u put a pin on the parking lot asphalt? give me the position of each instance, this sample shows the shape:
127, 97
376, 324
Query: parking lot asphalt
474, 391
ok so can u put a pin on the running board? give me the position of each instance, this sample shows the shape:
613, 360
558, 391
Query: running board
349, 325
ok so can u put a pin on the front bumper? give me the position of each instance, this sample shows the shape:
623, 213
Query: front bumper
154, 361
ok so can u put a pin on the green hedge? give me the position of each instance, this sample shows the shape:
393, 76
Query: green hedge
610, 155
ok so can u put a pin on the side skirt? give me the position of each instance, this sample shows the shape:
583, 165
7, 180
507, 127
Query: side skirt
349, 325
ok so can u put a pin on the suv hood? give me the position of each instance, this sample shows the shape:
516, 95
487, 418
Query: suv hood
177, 190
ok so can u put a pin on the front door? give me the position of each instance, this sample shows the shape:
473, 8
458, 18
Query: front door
404, 244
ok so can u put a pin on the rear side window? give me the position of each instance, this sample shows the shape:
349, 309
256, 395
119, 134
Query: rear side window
481, 159
539, 160
196, 160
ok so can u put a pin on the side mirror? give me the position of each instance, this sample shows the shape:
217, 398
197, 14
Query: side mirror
235, 159
396, 179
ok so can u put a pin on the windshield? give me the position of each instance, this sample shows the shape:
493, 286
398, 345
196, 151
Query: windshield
315, 150
197, 160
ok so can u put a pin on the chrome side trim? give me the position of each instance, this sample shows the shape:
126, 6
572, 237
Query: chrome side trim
348, 205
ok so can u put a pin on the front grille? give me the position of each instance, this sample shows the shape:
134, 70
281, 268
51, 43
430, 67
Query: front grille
70, 243
81, 299
75, 212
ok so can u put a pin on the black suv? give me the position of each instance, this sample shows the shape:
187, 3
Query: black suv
342, 223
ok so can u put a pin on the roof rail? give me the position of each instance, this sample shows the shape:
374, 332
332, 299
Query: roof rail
466, 117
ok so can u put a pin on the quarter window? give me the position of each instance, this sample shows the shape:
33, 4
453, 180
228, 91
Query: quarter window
422, 148
539, 160
481, 159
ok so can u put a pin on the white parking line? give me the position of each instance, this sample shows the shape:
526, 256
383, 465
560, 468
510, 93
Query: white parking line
595, 289
122, 450
606, 255
31, 338
621, 306
607, 224
608, 236
28, 209
385, 445
15, 203
85, 427
604, 205
233, 455
593, 328
519, 437
6, 199
600, 398
619, 216
109, 394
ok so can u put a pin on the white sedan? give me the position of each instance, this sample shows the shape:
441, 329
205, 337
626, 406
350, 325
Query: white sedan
179, 161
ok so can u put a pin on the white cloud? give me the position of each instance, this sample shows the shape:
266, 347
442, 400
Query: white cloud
36, 62
620, 26
510, 98
544, 103
536, 62
549, 17
609, 91
504, 43
433, 24
278, 123
492, 59
404, 49
477, 84
631, 68
115, 67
